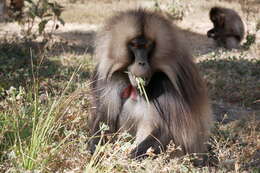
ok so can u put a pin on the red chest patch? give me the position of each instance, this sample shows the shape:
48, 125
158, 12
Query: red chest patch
129, 92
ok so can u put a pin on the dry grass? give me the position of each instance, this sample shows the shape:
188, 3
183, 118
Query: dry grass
44, 99
94, 12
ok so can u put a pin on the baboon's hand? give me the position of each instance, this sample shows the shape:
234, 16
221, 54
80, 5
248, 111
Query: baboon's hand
138, 153
93, 144
211, 33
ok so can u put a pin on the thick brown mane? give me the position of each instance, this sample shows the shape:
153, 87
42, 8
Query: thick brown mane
178, 107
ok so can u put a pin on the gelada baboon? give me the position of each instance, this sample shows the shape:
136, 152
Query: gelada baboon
8, 8
228, 28
17, 5
142, 44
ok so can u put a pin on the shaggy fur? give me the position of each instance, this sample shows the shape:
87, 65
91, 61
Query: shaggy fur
228, 30
178, 107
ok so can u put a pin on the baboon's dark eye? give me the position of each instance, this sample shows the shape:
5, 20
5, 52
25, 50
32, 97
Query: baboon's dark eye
135, 45
140, 42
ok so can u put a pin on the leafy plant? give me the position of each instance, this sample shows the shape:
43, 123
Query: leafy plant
174, 9
37, 14
258, 25
250, 39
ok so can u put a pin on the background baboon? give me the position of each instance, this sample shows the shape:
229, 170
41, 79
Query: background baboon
2, 9
17, 5
7, 8
228, 28
138, 43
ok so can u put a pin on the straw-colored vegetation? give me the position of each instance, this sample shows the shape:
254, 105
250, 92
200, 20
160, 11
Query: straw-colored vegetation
44, 92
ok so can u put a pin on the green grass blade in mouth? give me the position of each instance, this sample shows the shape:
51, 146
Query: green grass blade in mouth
140, 84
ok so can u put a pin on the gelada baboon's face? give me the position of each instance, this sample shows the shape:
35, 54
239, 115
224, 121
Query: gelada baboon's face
140, 50
217, 19
140, 44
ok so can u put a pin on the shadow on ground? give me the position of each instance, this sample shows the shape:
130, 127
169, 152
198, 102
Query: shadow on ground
77, 42
200, 44
233, 85
20, 63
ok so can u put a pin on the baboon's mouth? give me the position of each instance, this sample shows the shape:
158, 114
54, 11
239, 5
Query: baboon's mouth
138, 81
136, 87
